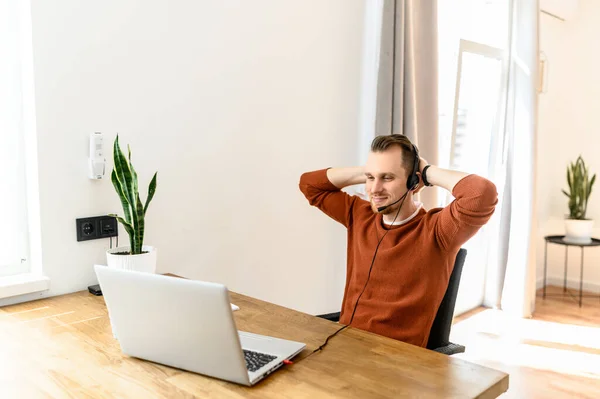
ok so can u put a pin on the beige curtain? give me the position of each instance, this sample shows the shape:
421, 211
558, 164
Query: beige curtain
511, 282
407, 99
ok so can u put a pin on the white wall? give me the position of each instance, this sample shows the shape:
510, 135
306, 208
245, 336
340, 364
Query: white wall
230, 102
569, 126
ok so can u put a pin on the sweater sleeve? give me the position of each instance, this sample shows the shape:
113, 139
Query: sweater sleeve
321, 193
473, 206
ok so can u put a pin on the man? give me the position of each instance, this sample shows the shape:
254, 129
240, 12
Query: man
399, 256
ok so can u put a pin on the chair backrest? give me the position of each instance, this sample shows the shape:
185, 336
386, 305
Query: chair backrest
440, 330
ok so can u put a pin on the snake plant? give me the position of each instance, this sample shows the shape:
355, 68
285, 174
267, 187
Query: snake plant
125, 181
580, 188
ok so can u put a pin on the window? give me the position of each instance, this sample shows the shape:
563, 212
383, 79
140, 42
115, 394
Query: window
472, 41
15, 80
477, 108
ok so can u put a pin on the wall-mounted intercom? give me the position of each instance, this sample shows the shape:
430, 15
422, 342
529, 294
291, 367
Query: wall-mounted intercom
97, 162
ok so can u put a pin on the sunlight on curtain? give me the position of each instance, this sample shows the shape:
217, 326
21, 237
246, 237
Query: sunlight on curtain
473, 40
13, 204
495, 142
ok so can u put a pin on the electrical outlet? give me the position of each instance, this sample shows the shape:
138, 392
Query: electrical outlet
108, 227
96, 227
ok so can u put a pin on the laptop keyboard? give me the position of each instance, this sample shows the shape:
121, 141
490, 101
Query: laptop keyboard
255, 360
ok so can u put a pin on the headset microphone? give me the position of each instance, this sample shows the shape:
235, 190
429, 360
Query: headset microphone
382, 208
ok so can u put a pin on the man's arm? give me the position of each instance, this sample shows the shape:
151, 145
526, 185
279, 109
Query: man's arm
444, 178
344, 177
322, 189
475, 201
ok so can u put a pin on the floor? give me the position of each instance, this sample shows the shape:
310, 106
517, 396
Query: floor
555, 354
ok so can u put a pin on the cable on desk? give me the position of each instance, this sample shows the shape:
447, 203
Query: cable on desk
324, 343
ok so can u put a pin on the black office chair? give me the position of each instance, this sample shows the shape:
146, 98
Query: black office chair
439, 336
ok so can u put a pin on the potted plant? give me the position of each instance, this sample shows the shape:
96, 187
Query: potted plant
136, 256
578, 228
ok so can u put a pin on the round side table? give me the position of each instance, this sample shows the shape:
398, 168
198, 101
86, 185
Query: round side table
560, 241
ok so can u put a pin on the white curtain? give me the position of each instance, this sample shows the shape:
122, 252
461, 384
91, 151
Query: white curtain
511, 274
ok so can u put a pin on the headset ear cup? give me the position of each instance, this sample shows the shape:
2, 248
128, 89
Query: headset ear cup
413, 180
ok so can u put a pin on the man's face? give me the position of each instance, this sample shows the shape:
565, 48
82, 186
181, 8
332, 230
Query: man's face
386, 179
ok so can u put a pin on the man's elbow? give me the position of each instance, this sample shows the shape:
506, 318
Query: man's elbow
490, 191
488, 197
303, 178
307, 187
303, 183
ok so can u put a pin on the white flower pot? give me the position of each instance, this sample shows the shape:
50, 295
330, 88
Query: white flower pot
144, 262
578, 231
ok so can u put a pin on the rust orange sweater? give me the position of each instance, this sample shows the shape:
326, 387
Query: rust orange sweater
414, 261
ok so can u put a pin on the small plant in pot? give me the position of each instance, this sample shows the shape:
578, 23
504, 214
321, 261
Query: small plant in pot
136, 256
578, 228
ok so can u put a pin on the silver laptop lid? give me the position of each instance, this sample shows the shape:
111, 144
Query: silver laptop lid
171, 321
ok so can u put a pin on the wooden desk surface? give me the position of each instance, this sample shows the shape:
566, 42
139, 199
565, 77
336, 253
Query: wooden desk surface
62, 347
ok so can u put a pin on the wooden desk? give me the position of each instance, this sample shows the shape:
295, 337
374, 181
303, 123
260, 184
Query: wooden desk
62, 347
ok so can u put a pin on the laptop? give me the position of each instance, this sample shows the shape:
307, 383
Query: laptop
187, 324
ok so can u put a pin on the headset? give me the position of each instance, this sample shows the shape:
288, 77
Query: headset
412, 182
